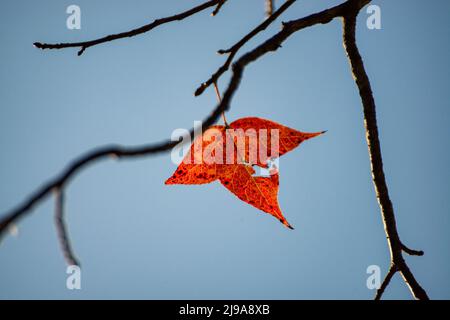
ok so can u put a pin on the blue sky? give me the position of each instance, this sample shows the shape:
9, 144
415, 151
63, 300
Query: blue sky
138, 238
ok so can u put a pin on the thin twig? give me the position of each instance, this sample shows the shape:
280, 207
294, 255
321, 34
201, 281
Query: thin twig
218, 7
219, 99
412, 252
269, 7
232, 51
87, 44
381, 190
61, 229
386, 281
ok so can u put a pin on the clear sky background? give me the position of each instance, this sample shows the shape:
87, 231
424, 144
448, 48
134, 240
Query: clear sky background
137, 238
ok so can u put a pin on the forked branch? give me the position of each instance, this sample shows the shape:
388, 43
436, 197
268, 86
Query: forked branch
87, 44
398, 264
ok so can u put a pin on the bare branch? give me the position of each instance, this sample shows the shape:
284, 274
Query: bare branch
112, 151
412, 252
416, 289
386, 281
376, 161
218, 7
232, 51
87, 44
63, 237
269, 7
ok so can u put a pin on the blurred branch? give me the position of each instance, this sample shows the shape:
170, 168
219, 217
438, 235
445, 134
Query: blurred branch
63, 237
396, 247
269, 7
100, 153
87, 44
392, 270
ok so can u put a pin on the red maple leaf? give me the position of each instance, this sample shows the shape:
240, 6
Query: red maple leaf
228, 153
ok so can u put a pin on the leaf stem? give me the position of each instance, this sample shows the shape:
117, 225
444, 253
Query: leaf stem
219, 99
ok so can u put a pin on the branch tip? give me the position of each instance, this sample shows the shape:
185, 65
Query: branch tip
412, 252
218, 7
81, 51
269, 8
63, 237
131, 33
222, 51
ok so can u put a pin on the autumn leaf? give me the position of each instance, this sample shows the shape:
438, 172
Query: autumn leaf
228, 153
260, 192
267, 135
194, 169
